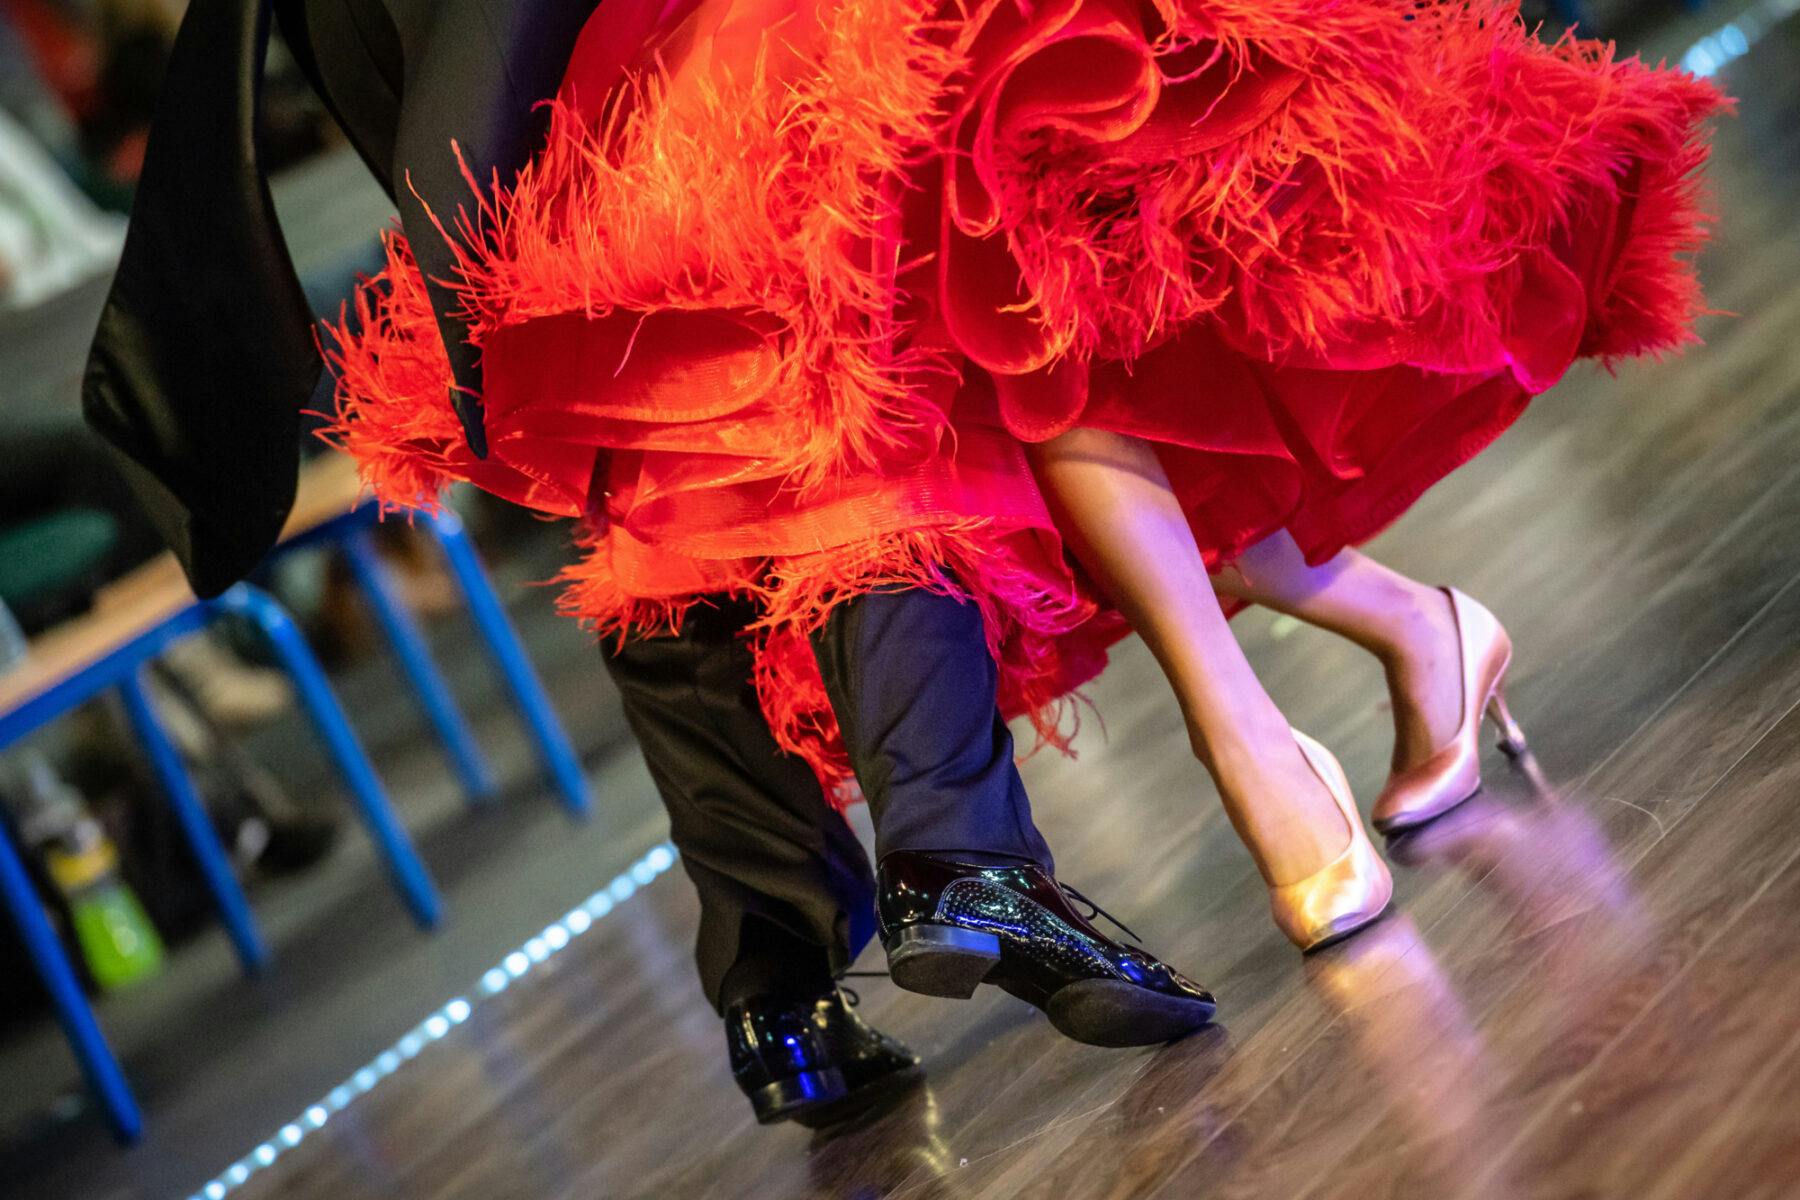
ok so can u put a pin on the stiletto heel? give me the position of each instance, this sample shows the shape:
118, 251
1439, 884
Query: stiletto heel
1350, 891
1453, 774
1512, 738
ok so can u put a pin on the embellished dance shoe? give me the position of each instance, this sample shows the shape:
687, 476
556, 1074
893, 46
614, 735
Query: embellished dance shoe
1453, 773
949, 926
813, 1061
1351, 891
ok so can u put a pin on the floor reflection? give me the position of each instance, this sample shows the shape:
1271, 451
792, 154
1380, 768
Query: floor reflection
903, 1140
1561, 894
1542, 858
1419, 1049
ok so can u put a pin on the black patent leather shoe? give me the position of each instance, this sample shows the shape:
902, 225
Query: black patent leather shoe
949, 926
812, 1061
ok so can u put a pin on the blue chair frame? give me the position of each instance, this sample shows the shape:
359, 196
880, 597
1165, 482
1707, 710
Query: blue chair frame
122, 669
353, 535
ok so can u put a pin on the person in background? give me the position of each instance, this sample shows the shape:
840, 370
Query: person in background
51, 236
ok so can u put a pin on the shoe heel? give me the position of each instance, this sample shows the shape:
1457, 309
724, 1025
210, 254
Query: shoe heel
785, 1098
941, 960
1512, 738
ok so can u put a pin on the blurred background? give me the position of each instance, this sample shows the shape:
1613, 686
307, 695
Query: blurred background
78, 82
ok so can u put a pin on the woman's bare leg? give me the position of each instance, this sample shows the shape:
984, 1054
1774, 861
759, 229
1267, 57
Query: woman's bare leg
1115, 507
1407, 625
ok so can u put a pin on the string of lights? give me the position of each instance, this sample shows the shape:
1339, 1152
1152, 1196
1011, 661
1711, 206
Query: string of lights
1724, 45
515, 966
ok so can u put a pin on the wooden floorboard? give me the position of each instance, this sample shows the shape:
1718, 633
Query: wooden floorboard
1409, 1056
1589, 988
1706, 1026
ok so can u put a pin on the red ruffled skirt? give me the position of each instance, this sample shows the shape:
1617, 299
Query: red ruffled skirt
793, 279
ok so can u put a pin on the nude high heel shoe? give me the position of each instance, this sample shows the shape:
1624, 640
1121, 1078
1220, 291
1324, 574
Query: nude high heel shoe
1349, 892
1453, 773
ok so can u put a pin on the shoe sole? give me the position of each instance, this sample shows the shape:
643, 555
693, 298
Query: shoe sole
871, 1097
1111, 1012
788, 1099
941, 960
1394, 826
1336, 936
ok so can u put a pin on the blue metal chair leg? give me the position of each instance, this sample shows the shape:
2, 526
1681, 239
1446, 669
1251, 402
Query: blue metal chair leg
396, 848
103, 1073
376, 584
190, 811
503, 642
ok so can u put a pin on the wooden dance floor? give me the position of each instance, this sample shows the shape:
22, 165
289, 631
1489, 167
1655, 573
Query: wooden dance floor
1590, 986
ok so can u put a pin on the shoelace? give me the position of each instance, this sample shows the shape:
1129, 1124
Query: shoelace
1097, 911
850, 994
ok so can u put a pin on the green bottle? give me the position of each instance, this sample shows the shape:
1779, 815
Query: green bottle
115, 935
114, 932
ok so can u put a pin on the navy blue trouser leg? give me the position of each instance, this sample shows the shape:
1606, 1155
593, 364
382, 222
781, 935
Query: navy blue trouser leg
914, 689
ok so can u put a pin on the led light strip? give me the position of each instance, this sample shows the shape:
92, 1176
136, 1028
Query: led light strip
1730, 42
514, 966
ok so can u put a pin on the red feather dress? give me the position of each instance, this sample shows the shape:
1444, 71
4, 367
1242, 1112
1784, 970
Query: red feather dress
792, 280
